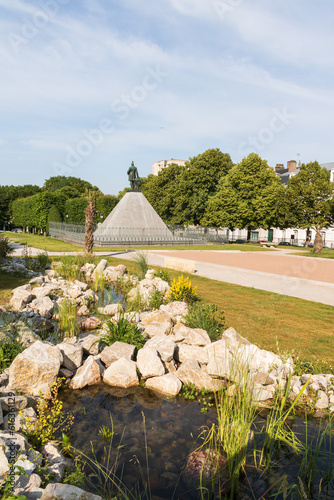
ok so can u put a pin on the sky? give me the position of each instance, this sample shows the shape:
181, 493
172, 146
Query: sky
87, 86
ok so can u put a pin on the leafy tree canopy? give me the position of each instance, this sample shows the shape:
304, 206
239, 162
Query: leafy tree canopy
60, 181
310, 197
248, 196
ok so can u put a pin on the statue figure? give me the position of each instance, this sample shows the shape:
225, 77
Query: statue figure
135, 180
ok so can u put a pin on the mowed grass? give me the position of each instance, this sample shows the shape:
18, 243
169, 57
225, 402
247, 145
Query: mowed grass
44, 243
326, 253
50, 244
274, 322
7, 283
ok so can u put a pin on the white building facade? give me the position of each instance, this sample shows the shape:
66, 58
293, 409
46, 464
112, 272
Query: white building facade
157, 166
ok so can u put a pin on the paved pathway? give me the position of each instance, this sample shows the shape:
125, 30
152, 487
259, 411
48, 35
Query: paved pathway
277, 271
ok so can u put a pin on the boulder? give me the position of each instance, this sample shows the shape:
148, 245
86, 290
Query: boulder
175, 309
196, 336
116, 351
149, 363
184, 352
86, 324
112, 309
164, 345
66, 492
83, 311
55, 460
168, 384
35, 369
90, 344
255, 359
322, 401
41, 291
155, 329
72, 355
17, 402
218, 349
156, 316
114, 273
233, 339
88, 374
100, 267
191, 373
121, 373
81, 284
43, 306
73, 292
22, 296
4, 466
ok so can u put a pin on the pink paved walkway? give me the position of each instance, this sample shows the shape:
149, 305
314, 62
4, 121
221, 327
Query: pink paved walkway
309, 268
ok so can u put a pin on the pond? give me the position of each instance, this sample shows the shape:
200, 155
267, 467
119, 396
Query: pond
168, 430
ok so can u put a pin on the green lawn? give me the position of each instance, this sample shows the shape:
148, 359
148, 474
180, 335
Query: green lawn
55, 245
45, 243
327, 253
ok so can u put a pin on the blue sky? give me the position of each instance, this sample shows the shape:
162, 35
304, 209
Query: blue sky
87, 86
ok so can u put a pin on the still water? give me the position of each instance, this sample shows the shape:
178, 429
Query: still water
164, 431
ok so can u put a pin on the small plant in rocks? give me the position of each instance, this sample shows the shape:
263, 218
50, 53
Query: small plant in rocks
208, 318
123, 331
8, 352
51, 420
182, 289
5, 248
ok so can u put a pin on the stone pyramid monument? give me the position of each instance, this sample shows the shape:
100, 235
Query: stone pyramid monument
133, 219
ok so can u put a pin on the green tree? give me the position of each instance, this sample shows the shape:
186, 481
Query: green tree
248, 197
60, 181
162, 191
199, 183
8, 194
310, 204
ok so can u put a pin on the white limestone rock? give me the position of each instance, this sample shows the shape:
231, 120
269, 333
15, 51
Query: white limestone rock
66, 492
149, 363
35, 369
190, 372
72, 355
43, 306
175, 309
112, 309
121, 373
184, 353
168, 384
164, 345
88, 374
100, 267
116, 351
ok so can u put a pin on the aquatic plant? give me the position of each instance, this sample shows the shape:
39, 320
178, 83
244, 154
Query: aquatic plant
67, 319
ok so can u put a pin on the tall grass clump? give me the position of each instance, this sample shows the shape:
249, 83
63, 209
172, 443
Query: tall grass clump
67, 319
207, 317
69, 266
141, 259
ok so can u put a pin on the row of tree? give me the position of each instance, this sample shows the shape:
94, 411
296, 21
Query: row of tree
61, 199
211, 191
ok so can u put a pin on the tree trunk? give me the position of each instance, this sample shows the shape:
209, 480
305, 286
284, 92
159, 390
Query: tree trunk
318, 242
249, 233
307, 242
90, 214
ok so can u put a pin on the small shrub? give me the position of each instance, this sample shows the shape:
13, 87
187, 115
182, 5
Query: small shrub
208, 318
8, 352
157, 298
123, 331
43, 261
51, 419
163, 274
137, 304
182, 289
5, 248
